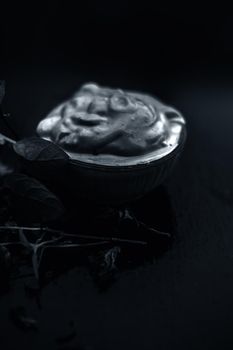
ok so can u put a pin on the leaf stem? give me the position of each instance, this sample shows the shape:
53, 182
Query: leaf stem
26, 228
7, 138
100, 238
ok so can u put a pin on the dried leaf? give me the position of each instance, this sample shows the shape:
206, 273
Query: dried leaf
36, 149
110, 258
128, 221
30, 200
103, 266
21, 320
5, 169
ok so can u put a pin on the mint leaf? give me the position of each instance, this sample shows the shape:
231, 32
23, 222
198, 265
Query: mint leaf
36, 149
30, 200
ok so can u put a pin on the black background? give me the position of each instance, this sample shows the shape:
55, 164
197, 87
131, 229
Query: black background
183, 54
142, 39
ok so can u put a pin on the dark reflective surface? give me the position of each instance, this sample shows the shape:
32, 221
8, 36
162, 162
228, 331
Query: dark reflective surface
182, 297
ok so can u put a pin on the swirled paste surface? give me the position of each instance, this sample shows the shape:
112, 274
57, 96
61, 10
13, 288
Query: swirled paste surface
99, 120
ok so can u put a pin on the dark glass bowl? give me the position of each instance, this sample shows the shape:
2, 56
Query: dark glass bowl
117, 184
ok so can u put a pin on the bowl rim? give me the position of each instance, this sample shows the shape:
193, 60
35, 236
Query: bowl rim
142, 165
